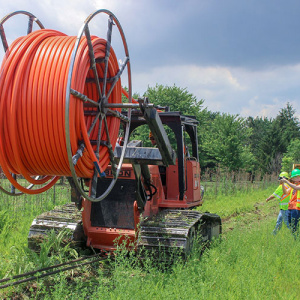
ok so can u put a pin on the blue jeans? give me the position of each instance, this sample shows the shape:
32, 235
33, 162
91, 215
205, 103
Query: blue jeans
282, 216
293, 217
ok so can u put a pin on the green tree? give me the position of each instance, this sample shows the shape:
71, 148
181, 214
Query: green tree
285, 129
292, 155
177, 99
270, 138
261, 141
226, 142
205, 119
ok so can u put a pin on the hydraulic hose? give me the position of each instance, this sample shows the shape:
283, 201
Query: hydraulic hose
33, 81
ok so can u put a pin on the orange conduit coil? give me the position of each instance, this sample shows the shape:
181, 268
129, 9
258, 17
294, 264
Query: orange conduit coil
33, 80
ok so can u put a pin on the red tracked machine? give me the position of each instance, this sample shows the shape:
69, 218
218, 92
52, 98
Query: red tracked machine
71, 118
151, 203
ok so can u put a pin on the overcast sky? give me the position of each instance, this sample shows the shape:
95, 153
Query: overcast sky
241, 57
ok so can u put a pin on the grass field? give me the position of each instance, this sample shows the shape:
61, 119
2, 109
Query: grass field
248, 263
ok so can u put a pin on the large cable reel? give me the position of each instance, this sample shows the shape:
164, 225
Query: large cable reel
31, 21
96, 103
102, 104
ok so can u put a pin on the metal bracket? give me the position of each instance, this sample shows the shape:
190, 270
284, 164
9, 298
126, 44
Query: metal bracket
155, 124
141, 196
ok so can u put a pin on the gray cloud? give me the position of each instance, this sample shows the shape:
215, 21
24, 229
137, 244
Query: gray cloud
240, 56
254, 34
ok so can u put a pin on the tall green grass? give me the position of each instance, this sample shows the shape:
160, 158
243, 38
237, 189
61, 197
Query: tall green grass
248, 263
16, 216
240, 201
222, 183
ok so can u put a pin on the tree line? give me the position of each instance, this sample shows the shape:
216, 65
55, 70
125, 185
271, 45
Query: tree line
232, 142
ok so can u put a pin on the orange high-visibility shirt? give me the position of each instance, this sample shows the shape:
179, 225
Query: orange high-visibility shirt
294, 198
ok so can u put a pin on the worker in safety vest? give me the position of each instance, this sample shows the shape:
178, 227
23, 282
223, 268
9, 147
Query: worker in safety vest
152, 139
283, 203
294, 199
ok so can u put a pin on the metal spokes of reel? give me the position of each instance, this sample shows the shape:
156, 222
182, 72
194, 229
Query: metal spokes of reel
32, 18
101, 110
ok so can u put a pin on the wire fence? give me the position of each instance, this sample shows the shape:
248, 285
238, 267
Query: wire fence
215, 182
226, 182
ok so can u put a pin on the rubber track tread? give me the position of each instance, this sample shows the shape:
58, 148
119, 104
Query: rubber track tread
66, 216
168, 230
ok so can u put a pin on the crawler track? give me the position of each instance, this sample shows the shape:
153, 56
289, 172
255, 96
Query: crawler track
65, 216
178, 229
169, 230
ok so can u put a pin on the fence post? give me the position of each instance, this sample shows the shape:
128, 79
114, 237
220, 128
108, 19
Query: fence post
54, 194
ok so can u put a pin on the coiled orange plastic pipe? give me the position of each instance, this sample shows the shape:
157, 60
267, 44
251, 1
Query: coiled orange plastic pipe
33, 80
